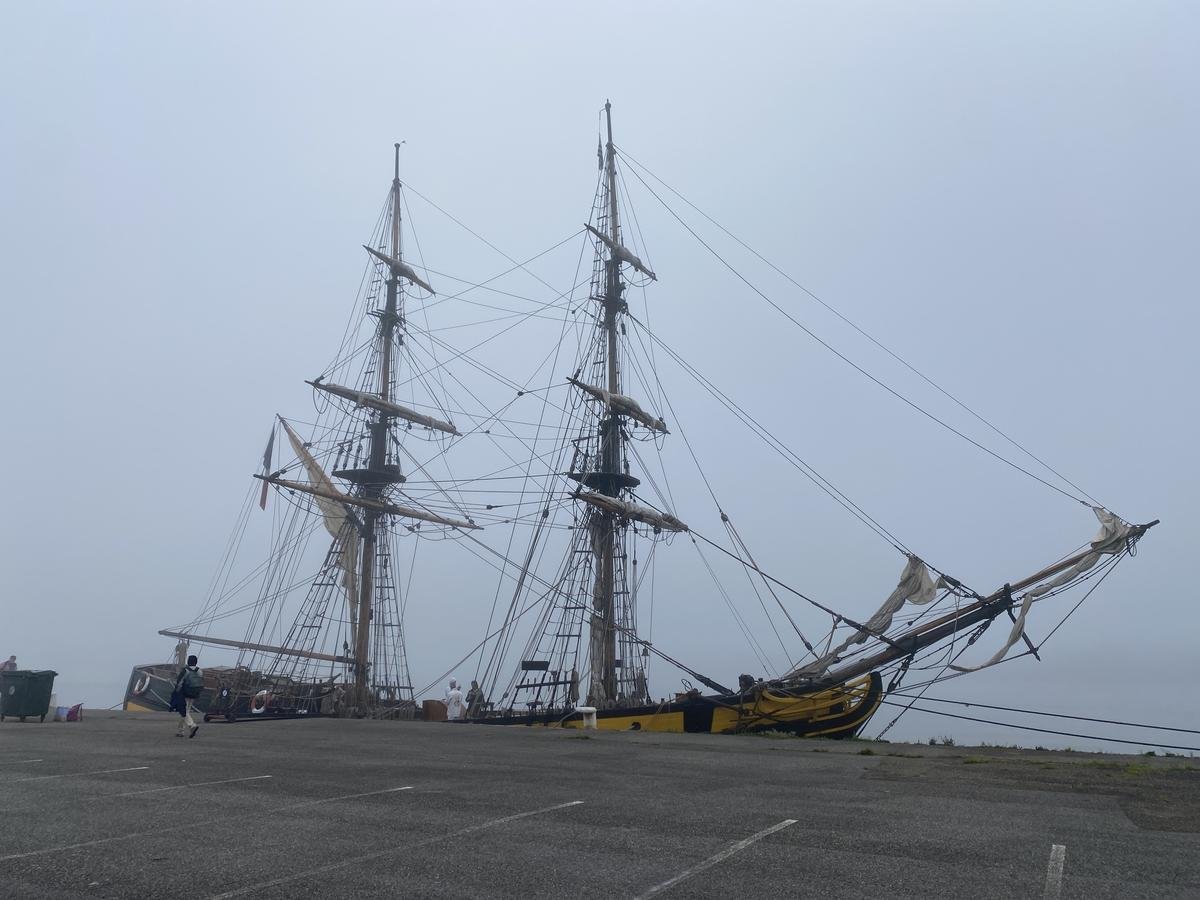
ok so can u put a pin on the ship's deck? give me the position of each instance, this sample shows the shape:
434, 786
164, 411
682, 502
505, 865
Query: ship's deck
116, 806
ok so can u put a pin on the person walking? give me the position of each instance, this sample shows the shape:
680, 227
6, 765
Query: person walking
189, 686
455, 708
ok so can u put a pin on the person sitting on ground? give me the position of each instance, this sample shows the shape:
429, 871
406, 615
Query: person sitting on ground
454, 701
189, 686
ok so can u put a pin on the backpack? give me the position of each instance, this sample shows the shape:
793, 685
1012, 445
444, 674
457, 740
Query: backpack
193, 683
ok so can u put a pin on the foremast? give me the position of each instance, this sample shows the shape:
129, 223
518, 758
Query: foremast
380, 474
373, 475
343, 651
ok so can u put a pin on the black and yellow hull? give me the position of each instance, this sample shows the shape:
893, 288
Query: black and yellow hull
839, 711
229, 694
150, 686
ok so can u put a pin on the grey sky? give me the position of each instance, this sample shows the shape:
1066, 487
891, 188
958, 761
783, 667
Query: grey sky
1006, 193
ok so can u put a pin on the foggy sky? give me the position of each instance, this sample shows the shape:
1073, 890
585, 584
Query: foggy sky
1004, 193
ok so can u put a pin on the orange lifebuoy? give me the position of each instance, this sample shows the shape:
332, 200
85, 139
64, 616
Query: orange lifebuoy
260, 702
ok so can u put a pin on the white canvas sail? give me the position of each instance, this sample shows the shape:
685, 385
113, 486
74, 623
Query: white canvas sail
1109, 540
337, 522
627, 510
622, 253
399, 267
915, 586
622, 405
374, 401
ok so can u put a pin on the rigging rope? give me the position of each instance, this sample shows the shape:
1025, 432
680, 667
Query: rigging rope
1035, 712
837, 616
1090, 737
849, 361
481, 238
863, 331
767, 437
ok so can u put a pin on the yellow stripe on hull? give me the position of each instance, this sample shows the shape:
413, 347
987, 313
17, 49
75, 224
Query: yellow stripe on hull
664, 721
816, 712
839, 710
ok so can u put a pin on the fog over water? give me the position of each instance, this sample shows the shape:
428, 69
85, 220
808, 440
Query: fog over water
1005, 194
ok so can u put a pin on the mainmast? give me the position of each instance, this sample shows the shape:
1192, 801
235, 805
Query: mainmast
590, 630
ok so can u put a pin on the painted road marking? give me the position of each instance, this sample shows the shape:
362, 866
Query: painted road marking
719, 857
176, 787
78, 774
1054, 871
492, 823
125, 837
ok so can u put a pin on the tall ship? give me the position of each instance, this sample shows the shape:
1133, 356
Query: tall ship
579, 513
584, 656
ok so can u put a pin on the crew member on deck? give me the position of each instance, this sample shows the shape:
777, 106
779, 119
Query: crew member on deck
474, 700
455, 708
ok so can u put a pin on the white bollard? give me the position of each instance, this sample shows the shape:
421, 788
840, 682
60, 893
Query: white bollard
589, 716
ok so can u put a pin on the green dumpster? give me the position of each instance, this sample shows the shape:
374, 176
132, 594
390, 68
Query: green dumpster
25, 693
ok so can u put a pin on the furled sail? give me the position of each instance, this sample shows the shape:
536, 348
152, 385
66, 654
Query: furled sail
915, 586
1109, 540
374, 401
338, 522
621, 253
627, 510
399, 267
367, 503
622, 405
250, 645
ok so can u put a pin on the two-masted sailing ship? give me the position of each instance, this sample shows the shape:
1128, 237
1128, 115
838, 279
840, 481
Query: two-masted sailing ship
572, 556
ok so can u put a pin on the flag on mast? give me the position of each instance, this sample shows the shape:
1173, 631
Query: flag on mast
262, 499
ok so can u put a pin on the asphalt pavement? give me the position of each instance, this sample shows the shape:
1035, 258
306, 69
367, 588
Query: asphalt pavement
116, 806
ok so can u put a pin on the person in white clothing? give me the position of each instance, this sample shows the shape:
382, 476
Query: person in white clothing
455, 708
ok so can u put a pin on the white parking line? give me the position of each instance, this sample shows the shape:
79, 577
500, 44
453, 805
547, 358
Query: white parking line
713, 860
78, 774
176, 787
189, 825
341, 864
1054, 871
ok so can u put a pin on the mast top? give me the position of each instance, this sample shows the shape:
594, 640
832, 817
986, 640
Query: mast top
396, 249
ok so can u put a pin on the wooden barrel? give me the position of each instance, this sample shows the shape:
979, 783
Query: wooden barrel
433, 711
